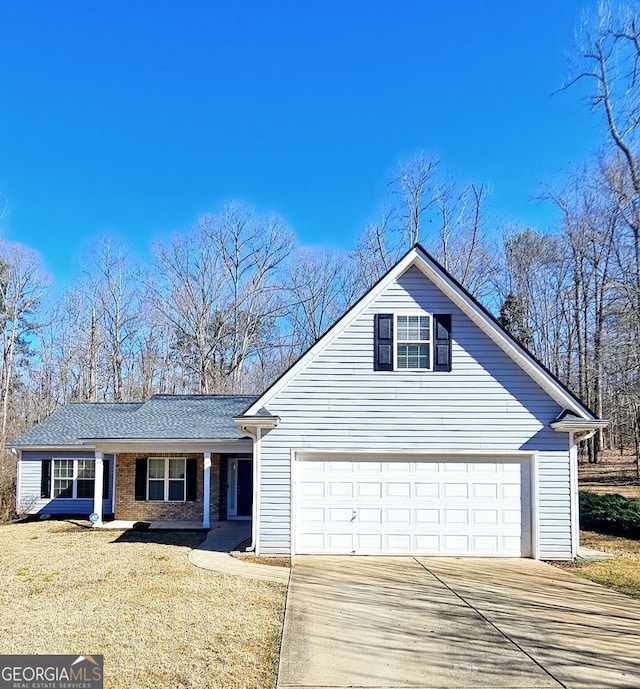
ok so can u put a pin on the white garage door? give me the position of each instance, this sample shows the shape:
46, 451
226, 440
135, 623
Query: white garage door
474, 506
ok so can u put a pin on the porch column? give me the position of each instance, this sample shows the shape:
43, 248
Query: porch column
206, 502
97, 488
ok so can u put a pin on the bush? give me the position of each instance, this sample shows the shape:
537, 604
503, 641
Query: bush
611, 514
7, 486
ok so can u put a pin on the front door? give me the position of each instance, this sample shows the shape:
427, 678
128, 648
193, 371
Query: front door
240, 488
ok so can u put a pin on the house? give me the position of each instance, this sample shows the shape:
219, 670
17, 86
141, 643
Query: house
415, 425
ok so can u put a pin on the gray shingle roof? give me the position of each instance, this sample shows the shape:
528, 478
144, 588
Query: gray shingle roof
162, 417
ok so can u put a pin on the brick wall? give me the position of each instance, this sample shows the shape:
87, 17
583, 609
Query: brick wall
128, 508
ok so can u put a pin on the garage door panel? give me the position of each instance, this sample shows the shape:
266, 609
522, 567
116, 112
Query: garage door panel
339, 515
336, 489
474, 507
398, 490
427, 516
485, 490
427, 490
366, 489
370, 515
398, 516
456, 490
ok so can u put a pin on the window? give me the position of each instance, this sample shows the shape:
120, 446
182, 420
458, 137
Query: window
413, 342
63, 478
420, 342
72, 479
166, 479
86, 478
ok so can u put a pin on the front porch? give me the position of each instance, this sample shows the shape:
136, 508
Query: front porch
177, 488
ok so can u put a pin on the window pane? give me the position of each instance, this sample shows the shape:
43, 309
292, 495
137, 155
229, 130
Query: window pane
62, 488
86, 468
425, 334
176, 468
85, 488
156, 490
176, 490
62, 468
156, 468
413, 356
402, 328
413, 329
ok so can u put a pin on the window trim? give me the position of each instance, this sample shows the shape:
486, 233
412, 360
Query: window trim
397, 341
166, 479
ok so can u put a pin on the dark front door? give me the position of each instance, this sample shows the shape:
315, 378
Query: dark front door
245, 487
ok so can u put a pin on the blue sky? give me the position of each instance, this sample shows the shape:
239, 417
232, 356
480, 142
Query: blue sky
133, 118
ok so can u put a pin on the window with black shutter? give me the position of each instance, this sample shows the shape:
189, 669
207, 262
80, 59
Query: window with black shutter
412, 342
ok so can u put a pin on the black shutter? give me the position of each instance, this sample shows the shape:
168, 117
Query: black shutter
442, 341
383, 342
45, 479
105, 479
192, 479
141, 478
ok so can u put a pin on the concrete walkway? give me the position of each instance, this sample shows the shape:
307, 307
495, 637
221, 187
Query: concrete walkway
454, 623
214, 555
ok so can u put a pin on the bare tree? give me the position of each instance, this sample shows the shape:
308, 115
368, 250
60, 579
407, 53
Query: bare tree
185, 291
252, 250
412, 184
318, 290
461, 243
23, 284
114, 299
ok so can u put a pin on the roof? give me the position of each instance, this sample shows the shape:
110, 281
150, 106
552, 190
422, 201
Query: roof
467, 303
162, 417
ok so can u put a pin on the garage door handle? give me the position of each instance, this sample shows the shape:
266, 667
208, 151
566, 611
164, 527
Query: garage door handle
353, 516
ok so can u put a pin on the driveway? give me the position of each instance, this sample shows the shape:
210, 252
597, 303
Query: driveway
454, 623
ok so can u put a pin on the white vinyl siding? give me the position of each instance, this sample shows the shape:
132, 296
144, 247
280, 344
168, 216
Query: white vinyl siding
485, 404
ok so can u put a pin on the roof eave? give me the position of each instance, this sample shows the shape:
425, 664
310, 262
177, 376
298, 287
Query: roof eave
578, 425
48, 448
256, 421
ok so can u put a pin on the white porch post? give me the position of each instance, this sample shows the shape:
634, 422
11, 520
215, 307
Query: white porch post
97, 488
206, 502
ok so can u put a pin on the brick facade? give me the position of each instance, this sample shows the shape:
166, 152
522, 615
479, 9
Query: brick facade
128, 508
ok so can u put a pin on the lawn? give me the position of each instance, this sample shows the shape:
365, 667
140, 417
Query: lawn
133, 597
622, 573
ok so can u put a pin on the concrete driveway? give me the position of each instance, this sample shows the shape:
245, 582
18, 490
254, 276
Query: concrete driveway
454, 623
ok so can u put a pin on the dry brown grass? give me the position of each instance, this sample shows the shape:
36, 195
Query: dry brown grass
134, 598
601, 489
622, 573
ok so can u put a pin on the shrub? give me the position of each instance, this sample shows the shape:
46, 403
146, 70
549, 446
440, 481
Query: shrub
612, 514
7, 486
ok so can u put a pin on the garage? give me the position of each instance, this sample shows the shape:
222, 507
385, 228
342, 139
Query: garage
468, 506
